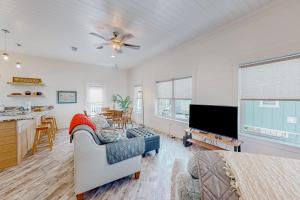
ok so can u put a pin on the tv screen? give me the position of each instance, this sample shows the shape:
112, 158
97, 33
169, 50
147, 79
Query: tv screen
221, 120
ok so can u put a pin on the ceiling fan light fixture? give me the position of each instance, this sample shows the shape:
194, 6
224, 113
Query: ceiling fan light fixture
116, 46
5, 56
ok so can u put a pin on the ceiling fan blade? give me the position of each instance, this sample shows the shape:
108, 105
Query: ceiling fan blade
127, 36
103, 44
99, 36
132, 46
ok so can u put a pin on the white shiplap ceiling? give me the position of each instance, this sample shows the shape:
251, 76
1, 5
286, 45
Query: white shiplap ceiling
50, 27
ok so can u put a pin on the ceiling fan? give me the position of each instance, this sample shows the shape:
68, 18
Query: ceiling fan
117, 41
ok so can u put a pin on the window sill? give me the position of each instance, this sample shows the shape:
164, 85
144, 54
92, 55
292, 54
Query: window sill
172, 119
272, 141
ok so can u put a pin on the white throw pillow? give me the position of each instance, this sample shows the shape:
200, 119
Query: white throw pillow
100, 122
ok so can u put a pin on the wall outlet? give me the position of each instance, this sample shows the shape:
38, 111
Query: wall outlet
291, 120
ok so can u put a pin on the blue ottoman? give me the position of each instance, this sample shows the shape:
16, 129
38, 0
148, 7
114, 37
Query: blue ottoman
152, 140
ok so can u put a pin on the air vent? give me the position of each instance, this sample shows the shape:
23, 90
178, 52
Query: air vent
74, 49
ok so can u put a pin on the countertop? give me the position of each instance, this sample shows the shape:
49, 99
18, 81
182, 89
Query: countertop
31, 115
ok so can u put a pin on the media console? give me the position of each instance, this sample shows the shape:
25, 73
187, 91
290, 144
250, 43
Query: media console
211, 141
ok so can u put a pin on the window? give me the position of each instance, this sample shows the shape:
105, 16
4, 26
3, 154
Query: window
174, 98
95, 99
138, 99
270, 100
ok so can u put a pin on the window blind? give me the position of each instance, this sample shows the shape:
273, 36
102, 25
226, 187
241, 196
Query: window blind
164, 90
272, 80
183, 88
95, 94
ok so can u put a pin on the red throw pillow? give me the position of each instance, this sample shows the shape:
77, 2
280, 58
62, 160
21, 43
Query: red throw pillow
81, 119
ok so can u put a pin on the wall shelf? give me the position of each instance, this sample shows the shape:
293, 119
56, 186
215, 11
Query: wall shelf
26, 84
24, 95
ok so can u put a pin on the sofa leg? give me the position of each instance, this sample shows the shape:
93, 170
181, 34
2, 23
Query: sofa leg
80, 196
137, 175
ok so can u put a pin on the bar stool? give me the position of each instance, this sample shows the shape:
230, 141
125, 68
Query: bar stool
54, 122
50, 125
40, 131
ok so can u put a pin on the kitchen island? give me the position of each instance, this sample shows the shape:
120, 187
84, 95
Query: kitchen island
17, 136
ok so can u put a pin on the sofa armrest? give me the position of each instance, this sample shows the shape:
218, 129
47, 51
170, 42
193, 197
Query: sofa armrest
91, 168
187, 188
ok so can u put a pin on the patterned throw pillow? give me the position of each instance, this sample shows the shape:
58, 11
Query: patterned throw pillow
100, 122
108, 136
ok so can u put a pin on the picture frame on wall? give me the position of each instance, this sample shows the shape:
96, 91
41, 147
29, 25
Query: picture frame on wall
66, 97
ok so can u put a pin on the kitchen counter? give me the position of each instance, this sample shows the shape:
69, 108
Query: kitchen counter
28, 116
17, 134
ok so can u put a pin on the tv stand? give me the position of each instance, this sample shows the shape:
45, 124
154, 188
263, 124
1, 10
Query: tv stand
211, 141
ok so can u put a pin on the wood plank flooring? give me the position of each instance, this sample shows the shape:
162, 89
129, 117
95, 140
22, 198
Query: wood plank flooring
49, 175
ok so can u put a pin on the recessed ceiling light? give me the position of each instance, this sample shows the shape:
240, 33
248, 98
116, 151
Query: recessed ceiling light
113, 56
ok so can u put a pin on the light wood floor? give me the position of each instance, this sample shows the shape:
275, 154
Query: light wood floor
49, 175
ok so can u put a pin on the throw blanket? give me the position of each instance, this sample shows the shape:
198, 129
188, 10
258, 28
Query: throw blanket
263, 177
124, 149
208, 167
80, 119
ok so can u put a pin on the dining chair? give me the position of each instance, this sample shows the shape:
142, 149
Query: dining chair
127, 118
117, 118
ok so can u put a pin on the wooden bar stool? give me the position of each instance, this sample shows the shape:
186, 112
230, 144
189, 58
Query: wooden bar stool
54, 122
40, 131
50, 125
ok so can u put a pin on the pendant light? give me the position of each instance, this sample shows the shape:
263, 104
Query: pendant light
5, 54
18, 65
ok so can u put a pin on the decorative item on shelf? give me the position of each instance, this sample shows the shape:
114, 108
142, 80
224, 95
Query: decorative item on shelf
64, 97
37, 93
27, 93
26, 80
16, 93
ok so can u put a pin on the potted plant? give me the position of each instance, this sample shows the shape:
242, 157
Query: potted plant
124, 103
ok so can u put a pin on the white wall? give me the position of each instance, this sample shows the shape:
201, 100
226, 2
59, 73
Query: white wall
213, 61
58, 75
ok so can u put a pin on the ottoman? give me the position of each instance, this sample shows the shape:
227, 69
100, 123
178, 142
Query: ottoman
152, 140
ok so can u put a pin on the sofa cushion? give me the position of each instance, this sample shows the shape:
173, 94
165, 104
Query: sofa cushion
108, 135
100, 122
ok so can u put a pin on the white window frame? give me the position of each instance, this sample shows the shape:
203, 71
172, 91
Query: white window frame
173, 100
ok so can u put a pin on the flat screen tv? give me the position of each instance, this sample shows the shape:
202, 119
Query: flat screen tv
221, 120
